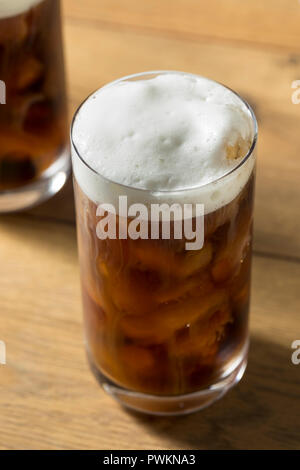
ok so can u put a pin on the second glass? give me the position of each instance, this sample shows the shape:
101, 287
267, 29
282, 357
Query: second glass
34, 150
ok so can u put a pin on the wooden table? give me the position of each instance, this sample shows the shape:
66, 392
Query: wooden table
48, 397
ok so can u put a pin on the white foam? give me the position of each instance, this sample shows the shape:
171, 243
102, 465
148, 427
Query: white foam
166, 134
15, 7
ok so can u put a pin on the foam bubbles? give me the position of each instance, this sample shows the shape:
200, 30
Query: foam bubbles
167, 133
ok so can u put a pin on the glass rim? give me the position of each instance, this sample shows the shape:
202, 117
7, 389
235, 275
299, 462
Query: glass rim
168, 191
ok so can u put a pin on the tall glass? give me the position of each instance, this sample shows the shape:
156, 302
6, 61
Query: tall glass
34, 147
166, 328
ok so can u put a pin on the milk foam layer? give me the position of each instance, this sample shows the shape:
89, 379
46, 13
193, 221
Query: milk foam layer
164, 134
15, 7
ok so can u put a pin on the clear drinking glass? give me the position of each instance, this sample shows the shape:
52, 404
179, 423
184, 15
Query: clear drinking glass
166, 329
34, 147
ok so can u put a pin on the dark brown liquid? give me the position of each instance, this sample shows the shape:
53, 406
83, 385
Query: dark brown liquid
160, 319
33, 122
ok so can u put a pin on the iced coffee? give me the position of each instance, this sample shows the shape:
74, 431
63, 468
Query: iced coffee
33, 121
166, 326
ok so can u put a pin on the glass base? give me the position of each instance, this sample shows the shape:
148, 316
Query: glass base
25, 197
176, 404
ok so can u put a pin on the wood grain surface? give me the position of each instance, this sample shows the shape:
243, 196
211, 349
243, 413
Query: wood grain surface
48, 397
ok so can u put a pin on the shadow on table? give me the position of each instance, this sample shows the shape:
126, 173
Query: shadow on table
262, 412
60, 207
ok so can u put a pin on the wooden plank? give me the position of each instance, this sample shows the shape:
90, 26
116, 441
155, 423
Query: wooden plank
96, 55
261, 22
49, 399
